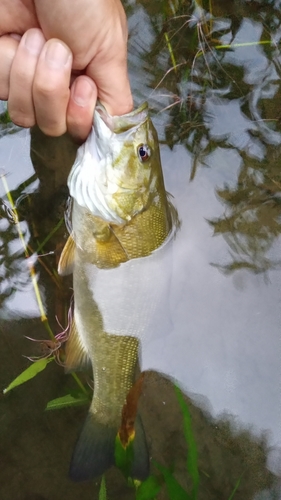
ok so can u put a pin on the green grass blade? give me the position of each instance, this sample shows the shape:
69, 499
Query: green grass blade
29, 373
102, 492
192, 466
236, 45
49, 236
79, 383
66, 401
236, 487
124, 456
148, 489
170, 51
175, 490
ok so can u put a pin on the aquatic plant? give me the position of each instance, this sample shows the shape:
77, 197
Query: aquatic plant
151, 487
52, 346
162, 476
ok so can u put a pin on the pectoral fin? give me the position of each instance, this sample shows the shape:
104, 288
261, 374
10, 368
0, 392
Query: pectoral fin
65, 265
76, 356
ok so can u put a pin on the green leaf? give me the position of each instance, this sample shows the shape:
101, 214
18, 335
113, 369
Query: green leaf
236, 487
148, 489
67, 400
102, 492
30, 372
192, 466
124, 456
175, 490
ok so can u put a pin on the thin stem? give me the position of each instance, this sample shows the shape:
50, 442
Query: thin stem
26, 253
79, 383
54, 230
170, 51
234, 45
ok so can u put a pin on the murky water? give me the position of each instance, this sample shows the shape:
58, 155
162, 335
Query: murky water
213, 84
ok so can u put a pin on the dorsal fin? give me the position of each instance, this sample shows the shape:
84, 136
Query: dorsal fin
65, 265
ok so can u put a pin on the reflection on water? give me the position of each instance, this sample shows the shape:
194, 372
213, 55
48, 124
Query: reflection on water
219, 84
213, 81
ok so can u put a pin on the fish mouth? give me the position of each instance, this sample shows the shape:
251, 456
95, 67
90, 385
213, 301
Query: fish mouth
119, 124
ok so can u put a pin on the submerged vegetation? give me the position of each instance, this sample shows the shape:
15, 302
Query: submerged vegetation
162, 477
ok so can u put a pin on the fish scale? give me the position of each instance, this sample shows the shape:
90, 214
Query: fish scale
111, 384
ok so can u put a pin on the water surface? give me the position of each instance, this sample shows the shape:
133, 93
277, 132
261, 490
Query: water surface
213, 85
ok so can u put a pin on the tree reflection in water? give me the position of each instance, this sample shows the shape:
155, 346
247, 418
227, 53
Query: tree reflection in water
216, 73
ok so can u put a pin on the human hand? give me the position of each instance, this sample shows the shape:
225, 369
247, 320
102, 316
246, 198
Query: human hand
53, 43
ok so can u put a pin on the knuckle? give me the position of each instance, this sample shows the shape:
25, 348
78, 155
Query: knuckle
21, 119
50, 94
45, 89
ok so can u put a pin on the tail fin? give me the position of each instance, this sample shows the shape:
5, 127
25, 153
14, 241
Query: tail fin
95, 449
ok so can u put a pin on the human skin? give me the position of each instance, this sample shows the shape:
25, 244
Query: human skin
57, 57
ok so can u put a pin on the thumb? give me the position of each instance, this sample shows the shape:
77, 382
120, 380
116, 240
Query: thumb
113, 86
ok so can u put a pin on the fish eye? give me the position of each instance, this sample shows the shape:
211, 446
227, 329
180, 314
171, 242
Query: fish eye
144, 152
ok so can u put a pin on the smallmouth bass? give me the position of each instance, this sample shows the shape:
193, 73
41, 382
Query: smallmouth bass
121, 219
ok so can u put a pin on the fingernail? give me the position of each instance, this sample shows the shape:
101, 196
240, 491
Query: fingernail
33, 41
57, 54
82, 92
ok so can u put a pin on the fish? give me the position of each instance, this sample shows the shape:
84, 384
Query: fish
120, 221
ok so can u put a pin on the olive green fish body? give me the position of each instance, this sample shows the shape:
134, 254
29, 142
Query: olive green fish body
120, 218
113, 357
